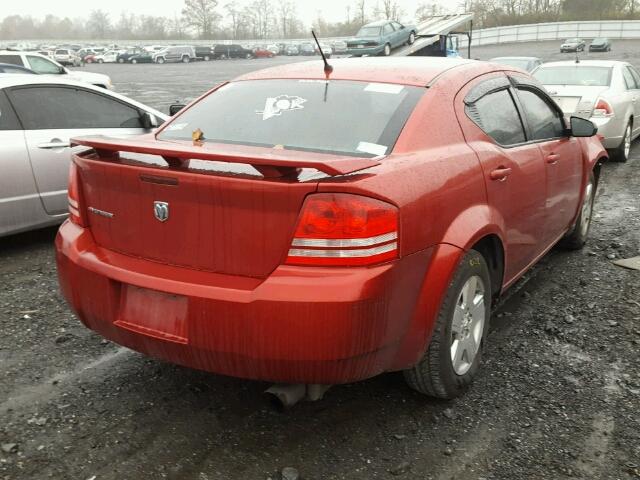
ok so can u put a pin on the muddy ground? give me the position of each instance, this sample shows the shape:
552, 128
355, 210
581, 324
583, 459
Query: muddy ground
557, 397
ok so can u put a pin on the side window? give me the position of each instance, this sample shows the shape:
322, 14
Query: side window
544, 121
497, 116
628, 79
388, 29
396, 25
8, 119
12, 59
42, 65
42, 108
635, 75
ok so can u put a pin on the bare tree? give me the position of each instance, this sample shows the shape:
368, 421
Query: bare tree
99, 24
201, 15
286, 12
361, 10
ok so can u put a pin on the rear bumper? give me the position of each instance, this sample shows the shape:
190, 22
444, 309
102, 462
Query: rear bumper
302, 325
366, 51
611, 128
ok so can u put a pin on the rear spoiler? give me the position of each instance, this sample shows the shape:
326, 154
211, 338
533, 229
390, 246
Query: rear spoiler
269, 162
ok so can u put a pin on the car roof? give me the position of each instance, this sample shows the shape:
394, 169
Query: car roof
514, 58
416, 71
590, 63
378, 23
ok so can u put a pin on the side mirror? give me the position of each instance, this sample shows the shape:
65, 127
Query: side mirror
581, 127
175, 108
62, 70
148, 120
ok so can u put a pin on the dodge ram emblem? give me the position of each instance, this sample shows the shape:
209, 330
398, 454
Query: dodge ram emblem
161, 211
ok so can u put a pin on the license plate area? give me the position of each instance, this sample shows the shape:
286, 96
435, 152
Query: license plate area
154, 314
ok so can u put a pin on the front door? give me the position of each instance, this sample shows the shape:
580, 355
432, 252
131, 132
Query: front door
514, 171
561, 154
51, 116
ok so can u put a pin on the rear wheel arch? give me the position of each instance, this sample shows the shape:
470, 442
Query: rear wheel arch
492, 249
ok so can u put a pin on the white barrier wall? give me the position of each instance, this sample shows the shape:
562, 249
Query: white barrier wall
557, 31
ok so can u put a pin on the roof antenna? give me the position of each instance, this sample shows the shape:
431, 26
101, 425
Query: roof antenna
327, 68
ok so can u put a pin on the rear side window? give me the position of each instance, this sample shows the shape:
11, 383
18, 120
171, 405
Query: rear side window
338, 117
12, 59
628, 79
47, 107
544, 121
497, 116
8, 119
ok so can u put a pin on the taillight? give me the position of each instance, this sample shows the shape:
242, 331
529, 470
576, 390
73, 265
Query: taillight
602, 109
342, 229
73, 195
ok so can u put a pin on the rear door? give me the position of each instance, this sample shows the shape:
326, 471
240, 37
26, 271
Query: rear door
561, 153
13, 59
514, 171
51, 115
633, 94
20, 205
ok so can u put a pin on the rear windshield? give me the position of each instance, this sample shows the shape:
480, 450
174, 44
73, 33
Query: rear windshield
574, 75
338, 117
369, 32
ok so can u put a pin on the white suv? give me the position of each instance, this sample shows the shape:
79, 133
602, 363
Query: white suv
46, 66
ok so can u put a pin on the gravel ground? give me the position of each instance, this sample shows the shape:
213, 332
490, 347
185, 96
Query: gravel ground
557, 396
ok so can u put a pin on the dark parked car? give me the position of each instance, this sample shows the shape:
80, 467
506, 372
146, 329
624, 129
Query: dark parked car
573, 45
600, 45
307, 48
142, 57
10, 68
204, 53
231, 51
124, 57
379, 38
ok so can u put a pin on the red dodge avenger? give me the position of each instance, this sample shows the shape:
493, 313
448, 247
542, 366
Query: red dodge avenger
308, 230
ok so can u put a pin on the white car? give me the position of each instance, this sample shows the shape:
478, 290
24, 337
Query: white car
65, 56
110, 56
607, 92
38, 117
49, 67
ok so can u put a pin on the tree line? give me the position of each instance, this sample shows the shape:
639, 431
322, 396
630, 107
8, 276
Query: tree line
266, 19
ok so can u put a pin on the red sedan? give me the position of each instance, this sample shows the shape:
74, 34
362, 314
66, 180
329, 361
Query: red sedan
290, 228
261, 52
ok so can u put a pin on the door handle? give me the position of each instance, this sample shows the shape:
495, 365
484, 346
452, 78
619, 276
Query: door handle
500, 173
52, 145
553, 158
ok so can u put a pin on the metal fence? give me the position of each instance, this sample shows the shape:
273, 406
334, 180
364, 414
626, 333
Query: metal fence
618, 29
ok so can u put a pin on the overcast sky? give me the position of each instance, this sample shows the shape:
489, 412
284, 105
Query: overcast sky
332, 10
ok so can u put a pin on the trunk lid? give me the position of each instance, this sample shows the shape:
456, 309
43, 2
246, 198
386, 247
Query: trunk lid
200, 214
576, 99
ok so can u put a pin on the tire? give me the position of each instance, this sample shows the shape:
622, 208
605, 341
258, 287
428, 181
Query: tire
248, 56
578, 236
160, 60
207, 58
387, 50
412, 38
437, 374
121, 60
621, 153
134, 61
100, 60
223, 57
185, 59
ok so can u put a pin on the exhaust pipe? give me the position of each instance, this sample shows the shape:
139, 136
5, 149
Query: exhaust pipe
285, 396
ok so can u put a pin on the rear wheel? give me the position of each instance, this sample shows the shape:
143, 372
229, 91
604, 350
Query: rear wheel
207, 58
100, 60
621, 154
248, 56
160, 60
412, 38
387, 50
185, 59
134, 60
578, 236
454, 354
121, 60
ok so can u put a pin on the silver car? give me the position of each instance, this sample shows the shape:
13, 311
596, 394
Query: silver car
38, 116
605, 92
528, 64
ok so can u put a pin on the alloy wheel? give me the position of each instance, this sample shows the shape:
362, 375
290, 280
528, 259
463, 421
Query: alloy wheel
468, 325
